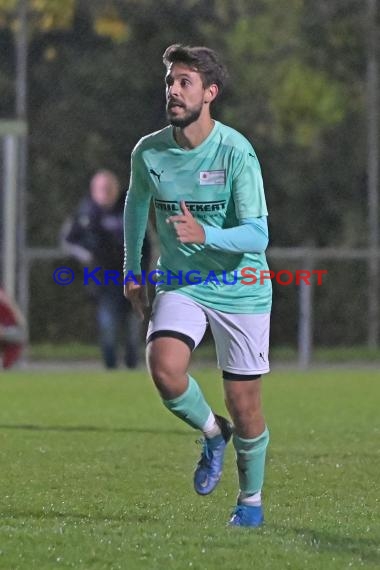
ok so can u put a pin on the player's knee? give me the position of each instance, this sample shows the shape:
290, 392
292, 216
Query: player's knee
167, 360
243, 413
164, 372
168, 383
243, 406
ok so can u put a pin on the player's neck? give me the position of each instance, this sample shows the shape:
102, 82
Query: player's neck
193, 135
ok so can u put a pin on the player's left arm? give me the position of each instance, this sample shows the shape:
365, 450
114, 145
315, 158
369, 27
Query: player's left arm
251, 233
250, 236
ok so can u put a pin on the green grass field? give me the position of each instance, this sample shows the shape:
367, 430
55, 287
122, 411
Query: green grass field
96, 474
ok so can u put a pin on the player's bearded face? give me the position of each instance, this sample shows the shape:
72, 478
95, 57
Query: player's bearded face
184, 95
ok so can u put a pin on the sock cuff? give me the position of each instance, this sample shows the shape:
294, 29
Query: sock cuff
243, 444
190, 406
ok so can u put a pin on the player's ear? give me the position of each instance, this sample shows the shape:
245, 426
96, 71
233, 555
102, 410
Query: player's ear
211, 92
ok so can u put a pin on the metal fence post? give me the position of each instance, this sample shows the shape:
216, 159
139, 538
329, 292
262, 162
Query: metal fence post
305, 319
9, 253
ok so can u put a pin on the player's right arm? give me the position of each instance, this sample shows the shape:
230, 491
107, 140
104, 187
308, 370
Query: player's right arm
136, 212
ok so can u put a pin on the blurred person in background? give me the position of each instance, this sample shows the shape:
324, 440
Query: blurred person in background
12, 331
94, 236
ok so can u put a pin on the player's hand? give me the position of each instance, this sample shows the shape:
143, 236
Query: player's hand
136, 294
186, 227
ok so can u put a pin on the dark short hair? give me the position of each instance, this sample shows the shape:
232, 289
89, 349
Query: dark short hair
201, 59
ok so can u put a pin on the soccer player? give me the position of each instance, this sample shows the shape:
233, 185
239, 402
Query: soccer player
206, 185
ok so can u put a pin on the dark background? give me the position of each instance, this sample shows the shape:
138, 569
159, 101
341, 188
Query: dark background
296, 91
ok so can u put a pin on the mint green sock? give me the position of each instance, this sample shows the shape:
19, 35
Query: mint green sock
190, 406
250, 459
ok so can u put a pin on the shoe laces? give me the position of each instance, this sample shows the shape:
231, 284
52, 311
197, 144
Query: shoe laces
206, 455
238, 512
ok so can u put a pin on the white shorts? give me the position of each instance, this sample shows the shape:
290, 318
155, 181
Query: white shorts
242, 340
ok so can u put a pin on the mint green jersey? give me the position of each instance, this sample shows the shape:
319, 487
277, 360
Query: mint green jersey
220, 181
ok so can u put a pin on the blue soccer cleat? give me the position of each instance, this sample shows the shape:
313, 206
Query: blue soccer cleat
247, 515
210, 466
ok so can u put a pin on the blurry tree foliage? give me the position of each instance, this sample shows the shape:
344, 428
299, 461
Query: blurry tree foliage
297, 80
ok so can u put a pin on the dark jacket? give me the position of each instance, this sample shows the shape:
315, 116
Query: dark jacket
98, 231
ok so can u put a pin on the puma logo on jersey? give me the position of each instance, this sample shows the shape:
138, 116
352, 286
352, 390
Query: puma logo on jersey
156, 174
